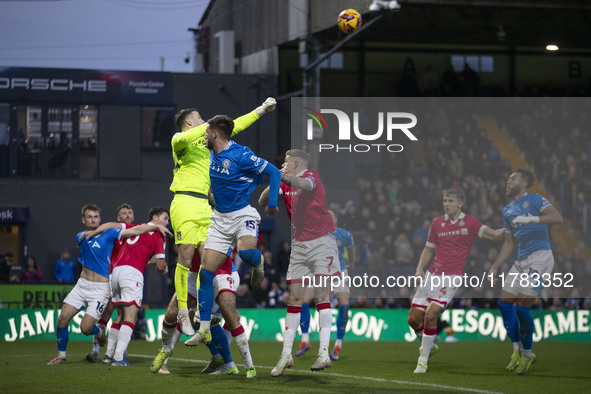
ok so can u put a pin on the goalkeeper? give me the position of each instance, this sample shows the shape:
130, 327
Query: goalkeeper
190, 211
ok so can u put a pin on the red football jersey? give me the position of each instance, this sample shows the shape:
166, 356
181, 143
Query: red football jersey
310, 219
226, 268
452, 242
137, 251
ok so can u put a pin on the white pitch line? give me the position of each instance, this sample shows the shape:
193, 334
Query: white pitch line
341, 375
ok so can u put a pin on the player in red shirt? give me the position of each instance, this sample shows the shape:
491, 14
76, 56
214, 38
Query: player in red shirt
126, 217
127, 282
450, 237
313, 252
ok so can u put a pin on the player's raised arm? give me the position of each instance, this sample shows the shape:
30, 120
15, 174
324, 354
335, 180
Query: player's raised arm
274, 181
297, 182
245, 121
550, 215
145, 228
102, 228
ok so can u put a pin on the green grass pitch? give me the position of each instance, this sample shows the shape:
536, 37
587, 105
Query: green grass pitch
470, 367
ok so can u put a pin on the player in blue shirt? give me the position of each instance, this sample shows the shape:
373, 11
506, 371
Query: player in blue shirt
92, 290
526, 219
235, 171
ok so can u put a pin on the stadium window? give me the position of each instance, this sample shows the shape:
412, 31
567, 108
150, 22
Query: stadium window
52, 141
157, 127
478, 63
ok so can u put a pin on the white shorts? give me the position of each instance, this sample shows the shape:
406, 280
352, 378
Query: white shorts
344, 285
318, 257
93, 296
525, 276
435, 289
227, 228
127, 286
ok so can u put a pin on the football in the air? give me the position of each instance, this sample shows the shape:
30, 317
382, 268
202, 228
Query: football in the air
349, 21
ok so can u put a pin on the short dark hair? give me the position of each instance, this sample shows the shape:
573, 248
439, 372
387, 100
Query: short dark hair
124, 206
90, 207
180, 116
223, 124
156, 211
457, 193
527, 175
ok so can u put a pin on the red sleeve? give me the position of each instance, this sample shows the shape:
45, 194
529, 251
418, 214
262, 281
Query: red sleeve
432, 237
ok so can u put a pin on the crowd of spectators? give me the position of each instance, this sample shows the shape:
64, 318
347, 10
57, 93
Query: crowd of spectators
391, 215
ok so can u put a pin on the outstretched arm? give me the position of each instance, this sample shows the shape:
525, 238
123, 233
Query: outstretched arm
274, 181
297, 182
102, 228
145, 228
493, 235
245, 121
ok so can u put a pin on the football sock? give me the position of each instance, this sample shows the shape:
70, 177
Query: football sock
112, 343
292, 321
228, 333
220, 344
342, 320
205, 297
181, 280
419, 331
167, 332
123, 339
324, 326
305, 321
63, 335
95, 330
511, 322
427, 344
526, 323
242, 343
176, 336
251, 256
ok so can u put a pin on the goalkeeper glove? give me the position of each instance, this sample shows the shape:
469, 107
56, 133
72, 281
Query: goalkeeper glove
523, 219
267, 106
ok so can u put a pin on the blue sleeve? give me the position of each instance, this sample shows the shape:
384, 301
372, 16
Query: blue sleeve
540, 202
349, 239
113, 234
506, 221
250, 162
79, 238
274, 181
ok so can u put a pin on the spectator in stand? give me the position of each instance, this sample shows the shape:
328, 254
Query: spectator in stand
65, 268
31, 273
5, 267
